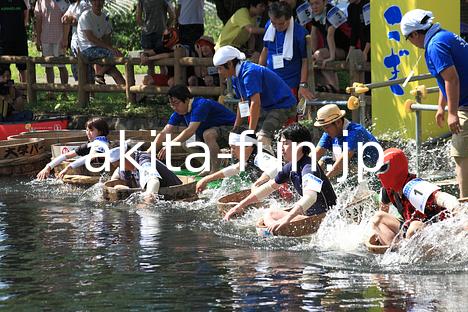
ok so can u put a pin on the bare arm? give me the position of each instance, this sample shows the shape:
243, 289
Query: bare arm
319, 152
96, 41
138, 17
452, 88
255, 104
263, 191
172, 21
38, 28
331, 45
161, 137
305, 92
254, 30
66, 31
187, 132
263, 57
338, 165
313, 35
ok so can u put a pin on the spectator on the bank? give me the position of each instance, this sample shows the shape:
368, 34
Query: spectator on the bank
285, 50
160, 80
359, 21
226, 8
295, 5
13, 37
330, 39
191, 21
94, 40
170, 42
71, 17
11, 99
152, 16
204, 47
242, 25
52, 35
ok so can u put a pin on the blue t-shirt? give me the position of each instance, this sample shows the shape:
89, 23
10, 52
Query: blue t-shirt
274, 92
325, 199
444, 49
207, 112
291, 72
356, 133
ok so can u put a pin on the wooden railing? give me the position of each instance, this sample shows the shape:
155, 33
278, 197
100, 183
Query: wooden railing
179, 62
355, 67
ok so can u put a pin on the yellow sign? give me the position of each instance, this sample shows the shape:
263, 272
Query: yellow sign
393, 58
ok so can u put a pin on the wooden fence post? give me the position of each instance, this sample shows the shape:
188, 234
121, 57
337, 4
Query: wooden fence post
83, 96
179, 70
31, 81
130, 81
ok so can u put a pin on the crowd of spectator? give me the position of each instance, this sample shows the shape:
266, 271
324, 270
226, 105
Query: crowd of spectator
270, 33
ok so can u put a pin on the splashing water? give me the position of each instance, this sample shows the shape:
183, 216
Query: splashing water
434, 246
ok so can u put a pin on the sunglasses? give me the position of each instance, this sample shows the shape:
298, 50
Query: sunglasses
383, 169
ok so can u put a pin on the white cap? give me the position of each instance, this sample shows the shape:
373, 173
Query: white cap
226, 54
416, 20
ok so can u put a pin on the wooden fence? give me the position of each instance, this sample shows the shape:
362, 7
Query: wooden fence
355, 67
179, 62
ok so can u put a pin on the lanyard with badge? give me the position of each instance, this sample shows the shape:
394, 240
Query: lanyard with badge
278, 60
244, 108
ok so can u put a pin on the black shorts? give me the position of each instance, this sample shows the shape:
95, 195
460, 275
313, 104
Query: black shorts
16, 48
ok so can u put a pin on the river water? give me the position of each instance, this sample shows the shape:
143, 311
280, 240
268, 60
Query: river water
63, 248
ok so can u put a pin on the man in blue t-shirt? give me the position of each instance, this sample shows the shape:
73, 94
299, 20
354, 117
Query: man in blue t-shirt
446, 58
331, 119
285, 50
265, 98
208, 120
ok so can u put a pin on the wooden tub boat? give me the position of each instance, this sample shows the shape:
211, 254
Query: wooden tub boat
22, 157
58, 149
299, 226
115, 190
227, 202
374, 246
53, 136
84, 180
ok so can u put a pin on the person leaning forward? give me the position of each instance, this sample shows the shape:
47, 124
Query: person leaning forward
205, 118
446, 58
265, 97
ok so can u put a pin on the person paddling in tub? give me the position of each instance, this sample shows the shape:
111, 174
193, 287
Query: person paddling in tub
149, 179
260, 167
316, 191
418, 202
97, 129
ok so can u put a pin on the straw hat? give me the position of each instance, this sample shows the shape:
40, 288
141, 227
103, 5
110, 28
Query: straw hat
328, 114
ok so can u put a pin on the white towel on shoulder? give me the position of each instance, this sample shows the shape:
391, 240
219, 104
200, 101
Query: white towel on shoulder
288, 39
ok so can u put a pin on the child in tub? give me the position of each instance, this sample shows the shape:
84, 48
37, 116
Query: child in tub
417, 201
317, 194
148, 179
97, 129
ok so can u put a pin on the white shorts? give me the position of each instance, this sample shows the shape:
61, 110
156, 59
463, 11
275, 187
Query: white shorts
52, 49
